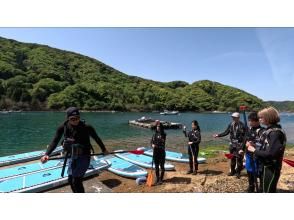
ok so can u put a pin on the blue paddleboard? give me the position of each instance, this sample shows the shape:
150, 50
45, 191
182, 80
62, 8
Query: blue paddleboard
21, 158
29, 168
173, 156
47, 179
142, 160
124, 168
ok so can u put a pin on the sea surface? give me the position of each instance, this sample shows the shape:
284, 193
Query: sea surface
28, 131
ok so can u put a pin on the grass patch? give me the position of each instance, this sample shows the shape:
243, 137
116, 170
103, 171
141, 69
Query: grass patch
212, 151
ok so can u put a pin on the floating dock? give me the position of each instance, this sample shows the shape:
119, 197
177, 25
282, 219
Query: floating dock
151, 124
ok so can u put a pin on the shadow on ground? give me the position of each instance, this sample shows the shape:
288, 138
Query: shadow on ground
178, 180
211, 172
111, 183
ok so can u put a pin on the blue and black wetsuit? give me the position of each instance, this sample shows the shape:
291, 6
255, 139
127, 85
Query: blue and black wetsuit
253, 165
81, 146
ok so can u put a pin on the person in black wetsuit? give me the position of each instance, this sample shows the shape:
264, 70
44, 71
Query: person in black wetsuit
237, 132
272, 150
158, 145
194, 137
252, 163
77, 143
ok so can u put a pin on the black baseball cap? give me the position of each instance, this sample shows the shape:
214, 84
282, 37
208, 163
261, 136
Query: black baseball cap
72, 111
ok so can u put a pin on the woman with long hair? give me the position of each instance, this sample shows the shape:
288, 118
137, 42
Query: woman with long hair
158, 145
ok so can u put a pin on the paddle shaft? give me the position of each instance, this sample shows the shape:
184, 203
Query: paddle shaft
64, 164
98, 154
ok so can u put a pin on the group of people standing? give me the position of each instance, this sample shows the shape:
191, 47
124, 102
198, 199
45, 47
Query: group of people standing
263, 148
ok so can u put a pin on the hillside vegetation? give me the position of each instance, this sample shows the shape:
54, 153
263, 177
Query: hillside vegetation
38, 77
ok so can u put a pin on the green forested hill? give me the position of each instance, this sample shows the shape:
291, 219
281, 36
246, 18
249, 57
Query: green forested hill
37, 77
285, 106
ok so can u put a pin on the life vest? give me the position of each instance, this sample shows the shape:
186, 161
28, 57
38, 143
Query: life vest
237, 132
265, 146
68, 143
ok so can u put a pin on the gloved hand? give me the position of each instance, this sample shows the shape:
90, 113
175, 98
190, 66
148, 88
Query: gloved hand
45, 158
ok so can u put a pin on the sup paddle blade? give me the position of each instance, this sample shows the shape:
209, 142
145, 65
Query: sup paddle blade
289, 162
136, 151
243, 108
229, 156
149, 180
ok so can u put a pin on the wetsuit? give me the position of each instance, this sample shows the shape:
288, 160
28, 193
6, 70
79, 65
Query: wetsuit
158, 139
79, 149
252, 163
271, 154
193, 149
237, 137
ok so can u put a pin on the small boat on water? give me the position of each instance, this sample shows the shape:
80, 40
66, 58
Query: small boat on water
166, 112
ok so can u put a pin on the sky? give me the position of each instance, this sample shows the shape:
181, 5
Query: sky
257, 60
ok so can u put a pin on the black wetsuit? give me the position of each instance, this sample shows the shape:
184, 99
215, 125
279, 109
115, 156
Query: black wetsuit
237, 133
271, 154
252, 163
81, 144
158, 139
193, 149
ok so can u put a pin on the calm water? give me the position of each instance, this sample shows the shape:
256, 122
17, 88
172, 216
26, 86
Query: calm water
28, 131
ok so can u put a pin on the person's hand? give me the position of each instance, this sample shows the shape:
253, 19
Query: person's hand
251, 148
44, 159
215, 135
153, 145
105, 152
240, 152
190, 142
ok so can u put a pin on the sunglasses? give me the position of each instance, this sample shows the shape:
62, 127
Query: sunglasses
74, 119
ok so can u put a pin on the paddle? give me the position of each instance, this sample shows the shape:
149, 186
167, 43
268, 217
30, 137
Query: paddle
149, 180
64, 163
229, 156
114, 152
289, 162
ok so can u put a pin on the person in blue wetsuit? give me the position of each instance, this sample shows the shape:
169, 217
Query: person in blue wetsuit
77, 144
271, 152
194, 137
253, 165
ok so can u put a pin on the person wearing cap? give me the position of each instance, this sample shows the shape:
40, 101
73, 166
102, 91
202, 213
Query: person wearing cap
194, 137
237, 132
77, 142
158, 145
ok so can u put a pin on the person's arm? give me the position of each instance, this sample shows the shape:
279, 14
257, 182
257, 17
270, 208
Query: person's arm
55, 141
97, 139
275, 146
226, 132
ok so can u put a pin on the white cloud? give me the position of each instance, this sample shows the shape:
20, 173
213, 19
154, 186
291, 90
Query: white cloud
278, 47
